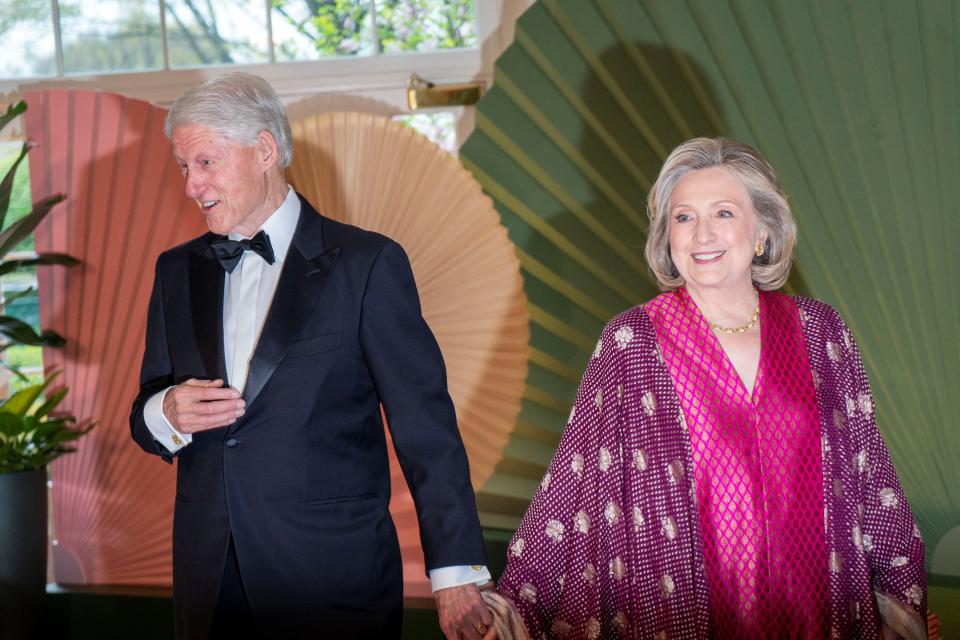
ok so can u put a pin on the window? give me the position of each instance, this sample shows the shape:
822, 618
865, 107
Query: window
26, 27
72, 37
108, 35
353, 54
438, 126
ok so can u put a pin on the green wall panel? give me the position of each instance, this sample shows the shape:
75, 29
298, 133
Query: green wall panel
856, 106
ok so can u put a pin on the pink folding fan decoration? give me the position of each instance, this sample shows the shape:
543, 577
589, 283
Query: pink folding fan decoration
112, 504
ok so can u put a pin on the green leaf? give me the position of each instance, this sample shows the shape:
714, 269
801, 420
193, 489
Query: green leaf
66, 435
6, 186
42, 259
23, 227
50, 338
19, 403
30, 441
12, 112
10, 425
14, 369
22, 333
10, 296
55, 398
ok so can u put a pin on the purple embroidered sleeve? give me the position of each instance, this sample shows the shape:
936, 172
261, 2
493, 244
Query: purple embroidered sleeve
563, 548
889, 534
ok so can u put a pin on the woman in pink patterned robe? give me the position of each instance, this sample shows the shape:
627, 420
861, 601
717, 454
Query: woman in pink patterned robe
721, 474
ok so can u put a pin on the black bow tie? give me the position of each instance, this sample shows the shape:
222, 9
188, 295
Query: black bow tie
229, 251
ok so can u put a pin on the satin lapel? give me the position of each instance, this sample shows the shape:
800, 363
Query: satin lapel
206, 305
304, 275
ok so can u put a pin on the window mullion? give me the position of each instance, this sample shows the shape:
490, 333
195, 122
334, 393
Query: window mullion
377, 49
272, 55
163, 34
57, 41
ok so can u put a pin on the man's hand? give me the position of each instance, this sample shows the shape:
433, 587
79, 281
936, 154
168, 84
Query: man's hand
199, 405
463, 613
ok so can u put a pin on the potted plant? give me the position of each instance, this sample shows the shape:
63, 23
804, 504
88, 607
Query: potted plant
32, 434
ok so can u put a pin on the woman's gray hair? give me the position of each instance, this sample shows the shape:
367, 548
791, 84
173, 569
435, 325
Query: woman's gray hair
238, 106
768, 271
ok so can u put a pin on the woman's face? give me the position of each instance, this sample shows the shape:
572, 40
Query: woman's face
713, 230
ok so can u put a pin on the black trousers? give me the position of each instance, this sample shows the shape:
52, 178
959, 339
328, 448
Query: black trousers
233, 619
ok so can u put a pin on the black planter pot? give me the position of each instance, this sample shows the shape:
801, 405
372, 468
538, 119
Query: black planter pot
23, 553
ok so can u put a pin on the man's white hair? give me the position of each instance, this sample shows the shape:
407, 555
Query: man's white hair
238, 106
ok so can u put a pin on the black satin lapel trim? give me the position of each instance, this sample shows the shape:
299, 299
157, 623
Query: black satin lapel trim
300, 285
206, 306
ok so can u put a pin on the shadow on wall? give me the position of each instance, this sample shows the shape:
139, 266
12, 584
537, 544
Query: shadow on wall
638, 102
641, 101
568, 147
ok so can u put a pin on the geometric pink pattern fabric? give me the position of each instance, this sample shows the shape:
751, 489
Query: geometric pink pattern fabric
757, 470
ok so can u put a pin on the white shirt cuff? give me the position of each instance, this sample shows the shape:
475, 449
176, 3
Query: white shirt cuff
161, 429
446, 577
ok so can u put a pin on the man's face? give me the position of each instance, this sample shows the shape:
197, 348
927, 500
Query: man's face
226, 179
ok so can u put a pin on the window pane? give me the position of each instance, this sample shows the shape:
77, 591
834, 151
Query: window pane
212, 32
110, 35
425, 25
440, 127
20, 195
334, 28
32, 378
26, 27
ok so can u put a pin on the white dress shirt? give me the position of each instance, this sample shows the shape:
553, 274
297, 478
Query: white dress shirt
250, 286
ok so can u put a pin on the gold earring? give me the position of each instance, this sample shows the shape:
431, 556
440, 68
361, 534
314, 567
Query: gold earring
759, 250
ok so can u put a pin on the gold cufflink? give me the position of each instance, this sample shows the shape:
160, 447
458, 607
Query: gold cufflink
176, 440
476, 567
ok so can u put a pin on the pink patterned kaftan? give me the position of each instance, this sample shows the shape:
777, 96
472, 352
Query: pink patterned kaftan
612, 544
757, 470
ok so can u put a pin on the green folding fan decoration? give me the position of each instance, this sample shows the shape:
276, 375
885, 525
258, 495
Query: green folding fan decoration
856, 106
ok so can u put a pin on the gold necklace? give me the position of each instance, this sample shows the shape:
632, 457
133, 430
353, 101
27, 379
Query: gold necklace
742, 328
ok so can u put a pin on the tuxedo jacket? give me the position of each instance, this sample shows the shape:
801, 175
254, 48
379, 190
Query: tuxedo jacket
301, 481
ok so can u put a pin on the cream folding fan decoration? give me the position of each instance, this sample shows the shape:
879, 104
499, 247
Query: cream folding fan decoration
381, 175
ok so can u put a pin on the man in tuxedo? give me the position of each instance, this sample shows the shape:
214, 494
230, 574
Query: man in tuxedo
271, 343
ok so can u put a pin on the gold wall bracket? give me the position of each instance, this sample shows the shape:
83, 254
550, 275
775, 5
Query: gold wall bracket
422, 94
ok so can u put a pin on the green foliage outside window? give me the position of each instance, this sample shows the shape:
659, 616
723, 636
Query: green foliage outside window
330, 27
24, 308
20, 204
422, 25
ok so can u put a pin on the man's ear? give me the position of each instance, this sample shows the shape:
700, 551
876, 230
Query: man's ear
268, 151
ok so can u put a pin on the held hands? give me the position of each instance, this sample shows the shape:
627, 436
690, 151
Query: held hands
199, 405
463, 615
